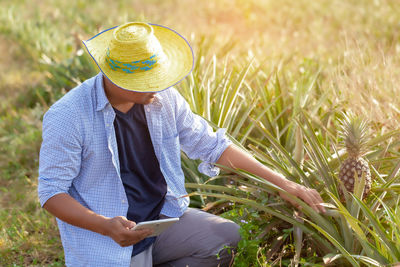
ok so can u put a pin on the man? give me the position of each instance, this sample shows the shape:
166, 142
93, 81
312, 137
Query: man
110, 158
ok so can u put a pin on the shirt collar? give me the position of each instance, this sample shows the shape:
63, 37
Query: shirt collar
101, 98
157, 100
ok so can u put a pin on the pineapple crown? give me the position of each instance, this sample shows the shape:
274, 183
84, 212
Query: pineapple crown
354, 132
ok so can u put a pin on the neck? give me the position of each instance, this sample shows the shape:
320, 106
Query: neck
114, 97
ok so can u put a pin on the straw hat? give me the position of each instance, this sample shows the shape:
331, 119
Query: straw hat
141, 57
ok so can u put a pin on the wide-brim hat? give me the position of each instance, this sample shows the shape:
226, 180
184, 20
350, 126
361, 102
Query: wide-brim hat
141, 57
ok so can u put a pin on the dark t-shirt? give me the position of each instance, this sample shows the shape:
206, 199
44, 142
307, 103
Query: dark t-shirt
141, 176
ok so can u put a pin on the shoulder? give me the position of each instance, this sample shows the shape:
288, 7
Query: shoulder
173, 98
170, 93
77, 99
73, 105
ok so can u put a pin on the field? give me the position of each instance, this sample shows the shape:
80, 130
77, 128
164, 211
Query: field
278, 75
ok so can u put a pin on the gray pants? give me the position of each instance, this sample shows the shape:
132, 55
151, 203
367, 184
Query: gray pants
197, 239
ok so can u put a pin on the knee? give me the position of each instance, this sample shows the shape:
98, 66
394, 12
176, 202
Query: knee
235, 236
231, 239
231, 233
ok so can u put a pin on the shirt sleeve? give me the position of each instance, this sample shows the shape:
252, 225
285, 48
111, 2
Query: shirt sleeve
197, 138
60, 153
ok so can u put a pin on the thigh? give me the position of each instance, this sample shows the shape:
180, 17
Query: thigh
143, 259
196, 234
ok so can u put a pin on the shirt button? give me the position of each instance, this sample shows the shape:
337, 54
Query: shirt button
148, 109
123, 201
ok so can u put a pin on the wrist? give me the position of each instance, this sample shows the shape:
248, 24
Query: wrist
104, 226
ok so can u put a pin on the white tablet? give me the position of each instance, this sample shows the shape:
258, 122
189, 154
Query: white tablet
158, 226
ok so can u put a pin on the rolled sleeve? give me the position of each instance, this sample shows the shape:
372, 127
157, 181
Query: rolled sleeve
208, 168
198, 139
60, 153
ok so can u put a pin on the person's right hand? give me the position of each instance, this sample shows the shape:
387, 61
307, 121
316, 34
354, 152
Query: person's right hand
119, 229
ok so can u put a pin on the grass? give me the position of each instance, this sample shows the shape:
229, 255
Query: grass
260, 64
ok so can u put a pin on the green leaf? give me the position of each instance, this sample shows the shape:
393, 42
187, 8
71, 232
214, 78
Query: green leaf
380, 230
337, 244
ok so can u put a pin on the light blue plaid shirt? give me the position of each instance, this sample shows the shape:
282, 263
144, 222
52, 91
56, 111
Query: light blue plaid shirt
79, 156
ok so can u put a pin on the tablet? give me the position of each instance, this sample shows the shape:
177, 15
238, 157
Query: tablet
158, 226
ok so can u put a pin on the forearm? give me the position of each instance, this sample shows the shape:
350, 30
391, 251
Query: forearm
235, 158
66, 208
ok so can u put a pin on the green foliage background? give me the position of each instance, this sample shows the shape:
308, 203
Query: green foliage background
259, 64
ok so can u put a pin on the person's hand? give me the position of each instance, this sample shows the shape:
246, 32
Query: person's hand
119, 229
308, 195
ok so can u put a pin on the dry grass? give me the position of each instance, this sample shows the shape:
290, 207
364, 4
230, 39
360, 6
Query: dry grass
355, 42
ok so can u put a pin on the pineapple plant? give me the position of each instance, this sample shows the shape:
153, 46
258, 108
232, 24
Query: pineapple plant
354, 132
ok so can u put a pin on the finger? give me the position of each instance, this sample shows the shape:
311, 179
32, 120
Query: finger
316, 195
140, 234
126, 223
318, 200
143, 233
310, 199
314, 203
136, 236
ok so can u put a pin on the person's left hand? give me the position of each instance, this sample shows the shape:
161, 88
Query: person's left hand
308, 195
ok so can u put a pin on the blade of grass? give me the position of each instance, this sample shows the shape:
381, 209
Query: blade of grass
261, 207
336, 243
392, 249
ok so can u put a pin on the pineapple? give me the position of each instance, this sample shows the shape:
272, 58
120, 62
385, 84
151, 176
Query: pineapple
354, 132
